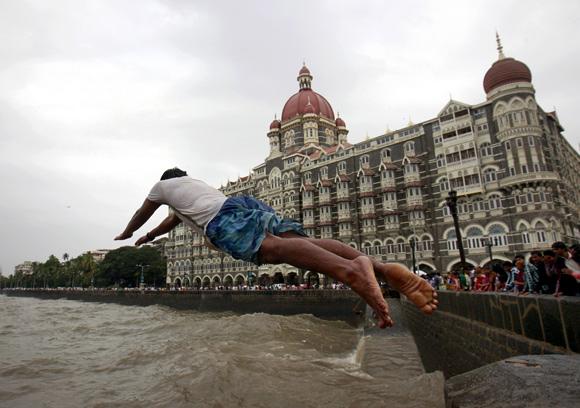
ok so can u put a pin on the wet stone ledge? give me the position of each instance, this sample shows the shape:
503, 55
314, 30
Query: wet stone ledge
473, 329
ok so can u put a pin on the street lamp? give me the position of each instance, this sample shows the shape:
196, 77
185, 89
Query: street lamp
452, 204
413, 243
142, 279
488, 242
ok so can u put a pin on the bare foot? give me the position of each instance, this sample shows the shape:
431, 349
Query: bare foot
416, 289
365, 284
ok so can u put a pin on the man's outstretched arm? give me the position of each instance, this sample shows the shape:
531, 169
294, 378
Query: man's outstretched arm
139, 218
170, 222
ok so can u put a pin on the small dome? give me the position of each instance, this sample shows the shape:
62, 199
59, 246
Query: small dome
304, 70
339, 122
275, 124
506, 71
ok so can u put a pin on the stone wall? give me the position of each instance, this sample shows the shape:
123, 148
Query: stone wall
472, 329
327, 304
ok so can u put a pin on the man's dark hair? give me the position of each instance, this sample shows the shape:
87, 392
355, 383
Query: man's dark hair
519, 256
539, 253
507, 263
173, 173
549, 252
559, 245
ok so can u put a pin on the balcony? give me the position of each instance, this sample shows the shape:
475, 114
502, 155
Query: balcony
528, 178
371, 229
344, 216
324, 199
388, 184
345, 233
414, 201
309, 223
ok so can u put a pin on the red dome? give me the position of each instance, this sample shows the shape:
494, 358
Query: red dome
339, 122
304, 70
506, 71
298, 105
275, 124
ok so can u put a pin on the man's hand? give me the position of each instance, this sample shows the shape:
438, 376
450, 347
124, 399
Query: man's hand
122, 236
143, 240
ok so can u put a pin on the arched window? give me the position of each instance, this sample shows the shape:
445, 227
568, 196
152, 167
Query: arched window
401, 245
427, 243
386, 155
390, 246
474, 236
541, 236
410, 148
485, 150
440, 160
498, 235
524, 233
489, 175
494, 201
478, 205
444, 184
451, 241
364, 161
289, 138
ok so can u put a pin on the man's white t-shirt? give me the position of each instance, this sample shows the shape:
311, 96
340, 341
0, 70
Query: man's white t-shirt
194, 202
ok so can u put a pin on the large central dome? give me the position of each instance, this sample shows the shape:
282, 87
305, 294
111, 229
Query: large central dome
306, 100
505, 71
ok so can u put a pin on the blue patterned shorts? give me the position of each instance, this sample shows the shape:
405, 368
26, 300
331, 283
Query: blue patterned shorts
241, 225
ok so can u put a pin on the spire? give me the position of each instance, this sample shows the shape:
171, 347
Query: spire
499, 46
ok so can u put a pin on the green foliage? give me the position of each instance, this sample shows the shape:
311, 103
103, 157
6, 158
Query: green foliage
119, 268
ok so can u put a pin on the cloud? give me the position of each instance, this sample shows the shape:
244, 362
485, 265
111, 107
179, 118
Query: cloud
98, 98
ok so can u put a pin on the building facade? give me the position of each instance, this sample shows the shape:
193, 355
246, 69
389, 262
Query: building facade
515, 175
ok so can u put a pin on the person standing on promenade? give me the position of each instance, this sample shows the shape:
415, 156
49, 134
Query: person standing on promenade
248, 229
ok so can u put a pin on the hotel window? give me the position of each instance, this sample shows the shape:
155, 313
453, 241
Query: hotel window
519, 142
410, 147
386, 155
490, 175
508, 145
364, 160
494, 201
342, 167
524, 168
536, 167
531, 140
324, 172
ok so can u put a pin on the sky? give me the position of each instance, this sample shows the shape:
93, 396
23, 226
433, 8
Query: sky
97, 98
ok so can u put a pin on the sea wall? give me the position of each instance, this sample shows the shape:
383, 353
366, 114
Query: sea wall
327, 304
472, 329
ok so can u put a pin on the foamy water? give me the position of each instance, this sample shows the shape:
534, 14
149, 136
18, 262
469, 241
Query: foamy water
61, 353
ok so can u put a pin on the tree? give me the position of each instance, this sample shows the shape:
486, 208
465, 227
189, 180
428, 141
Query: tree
120, 267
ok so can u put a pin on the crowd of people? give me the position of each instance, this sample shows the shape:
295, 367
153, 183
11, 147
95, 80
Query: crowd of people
554, 271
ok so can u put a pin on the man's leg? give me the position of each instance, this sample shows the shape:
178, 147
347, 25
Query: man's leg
358, 272
399, 277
